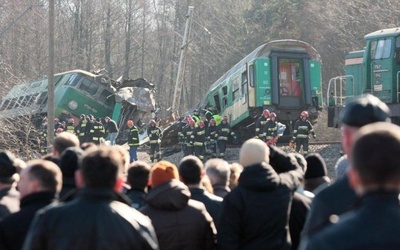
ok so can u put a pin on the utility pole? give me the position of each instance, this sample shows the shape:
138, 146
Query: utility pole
50, 86
181, 67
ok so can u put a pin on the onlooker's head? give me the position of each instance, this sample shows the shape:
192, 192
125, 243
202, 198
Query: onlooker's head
316, 173
365, 110
375, 158
253, 151
236, 170
63, 141
163, 172
138, 175
88, 146
69, 161
8, 168
102, 168
191, 170
124, 154
218, 172
40, 176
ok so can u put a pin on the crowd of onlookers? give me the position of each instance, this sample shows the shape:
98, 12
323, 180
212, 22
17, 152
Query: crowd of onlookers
87, 196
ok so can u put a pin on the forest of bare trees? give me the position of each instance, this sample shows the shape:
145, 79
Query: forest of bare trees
142, 38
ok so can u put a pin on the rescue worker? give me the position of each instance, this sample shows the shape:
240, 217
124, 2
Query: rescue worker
260, 124
58, 131
185, 137
302, 130
57, 124
199, 137
211, 138
196, 117
70, 126
271, 128
133, 140
155, 135
224, 132
209, 113
97, 132
80, 129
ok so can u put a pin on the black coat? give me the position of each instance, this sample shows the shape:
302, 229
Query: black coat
337, 198
212, 202
298, 212
14, 227
94, 219
180, 223
255, 214
374, 225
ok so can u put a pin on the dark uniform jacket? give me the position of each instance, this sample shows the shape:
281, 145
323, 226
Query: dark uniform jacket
14, 227
302, 128
133, 137
212, 202
185, 135
111, 126
255, 214
9, 201
155, 134
180, 223
199, 136
224, 132
374, 225
94, 219
337, 199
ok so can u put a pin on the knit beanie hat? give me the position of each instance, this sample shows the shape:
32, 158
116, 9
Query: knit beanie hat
253, 151
163, 171
69, 161
315, 166
7, 165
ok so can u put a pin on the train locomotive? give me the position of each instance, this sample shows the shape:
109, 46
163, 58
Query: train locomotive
79, 92
283, 76
374, 70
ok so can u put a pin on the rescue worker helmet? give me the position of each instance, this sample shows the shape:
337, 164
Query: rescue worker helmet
71, 120
272, 115
304, 114
212, 122
152, 122
225, 119
266, 112
201, 124
59, 130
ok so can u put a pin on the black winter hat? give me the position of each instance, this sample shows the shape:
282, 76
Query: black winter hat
69, 161
315, 166
7, 165
365, 110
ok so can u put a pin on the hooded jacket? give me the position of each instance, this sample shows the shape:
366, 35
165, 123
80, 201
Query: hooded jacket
255, 214
179, 222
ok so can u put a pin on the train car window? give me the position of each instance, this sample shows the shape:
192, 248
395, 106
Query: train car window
105, 97
42, 98
235, 87
26, 100
33, 99
251, 75
381, 49
89, 86
19, 102
12, 103
217, 104
5, 104
73, 80
225, 97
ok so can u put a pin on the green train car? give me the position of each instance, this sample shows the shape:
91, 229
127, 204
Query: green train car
79, 92
283, 76
374, 70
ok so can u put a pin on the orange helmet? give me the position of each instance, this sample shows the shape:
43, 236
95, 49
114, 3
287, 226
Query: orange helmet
304, 114
266, 112
59, 130
272, 115
129, 123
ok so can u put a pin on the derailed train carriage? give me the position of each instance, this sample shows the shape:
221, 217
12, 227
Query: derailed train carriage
78, 92
283, 76
374, 70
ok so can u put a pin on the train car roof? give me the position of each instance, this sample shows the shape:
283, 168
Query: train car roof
383, 33
264, 51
